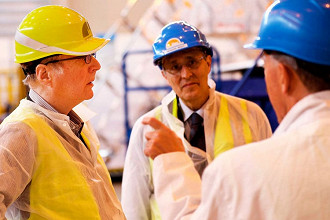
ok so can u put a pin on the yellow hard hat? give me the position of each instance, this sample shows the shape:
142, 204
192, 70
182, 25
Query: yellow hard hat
54, 29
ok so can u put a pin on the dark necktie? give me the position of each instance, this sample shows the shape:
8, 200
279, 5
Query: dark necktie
194, 131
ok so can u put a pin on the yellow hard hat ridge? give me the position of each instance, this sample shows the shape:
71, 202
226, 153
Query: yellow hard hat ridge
54, 29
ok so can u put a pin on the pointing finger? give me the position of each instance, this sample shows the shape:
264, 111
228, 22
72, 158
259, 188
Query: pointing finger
153, 122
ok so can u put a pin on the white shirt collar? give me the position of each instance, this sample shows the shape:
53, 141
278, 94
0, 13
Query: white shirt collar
187, 111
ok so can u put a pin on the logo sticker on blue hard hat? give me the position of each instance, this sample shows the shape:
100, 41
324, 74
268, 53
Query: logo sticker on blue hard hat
174, 44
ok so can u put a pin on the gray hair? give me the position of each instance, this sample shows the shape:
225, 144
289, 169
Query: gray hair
315, 77
29, 78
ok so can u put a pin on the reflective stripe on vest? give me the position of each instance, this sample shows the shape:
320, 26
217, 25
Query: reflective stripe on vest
223, 137
58, 189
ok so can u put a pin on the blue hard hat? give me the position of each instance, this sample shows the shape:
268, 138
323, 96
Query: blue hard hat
300, 28
177, 36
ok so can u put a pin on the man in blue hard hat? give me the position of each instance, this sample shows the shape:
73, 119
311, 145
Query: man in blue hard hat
208, 122
286, 176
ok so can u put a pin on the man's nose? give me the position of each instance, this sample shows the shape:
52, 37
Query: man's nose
185, 71
95, 64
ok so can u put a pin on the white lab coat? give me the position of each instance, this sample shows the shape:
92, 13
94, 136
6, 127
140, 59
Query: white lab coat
284, 177
137, 184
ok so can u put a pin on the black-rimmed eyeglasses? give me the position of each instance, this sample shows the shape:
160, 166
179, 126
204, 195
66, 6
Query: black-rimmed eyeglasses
87, 58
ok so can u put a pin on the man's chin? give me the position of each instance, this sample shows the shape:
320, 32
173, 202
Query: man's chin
89, 96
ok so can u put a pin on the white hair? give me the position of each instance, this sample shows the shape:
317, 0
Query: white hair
29, 78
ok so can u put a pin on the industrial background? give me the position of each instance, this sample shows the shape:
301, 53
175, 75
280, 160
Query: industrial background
128, 85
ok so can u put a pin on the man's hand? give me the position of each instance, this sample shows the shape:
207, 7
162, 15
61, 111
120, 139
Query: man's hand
161, 140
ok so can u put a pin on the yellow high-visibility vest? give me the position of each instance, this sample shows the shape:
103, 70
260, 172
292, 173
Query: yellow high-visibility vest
223, 138
58, 189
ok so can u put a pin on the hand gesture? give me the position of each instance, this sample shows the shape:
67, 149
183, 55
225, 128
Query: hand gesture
161, 140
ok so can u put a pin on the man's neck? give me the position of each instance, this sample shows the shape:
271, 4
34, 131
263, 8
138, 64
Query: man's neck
51, 103
36, 98
196, 104
76, 123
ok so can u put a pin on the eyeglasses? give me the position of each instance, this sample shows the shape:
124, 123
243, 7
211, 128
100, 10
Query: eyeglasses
175, 68
87, 58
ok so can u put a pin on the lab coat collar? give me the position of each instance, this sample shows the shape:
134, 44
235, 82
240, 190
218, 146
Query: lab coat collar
305, 111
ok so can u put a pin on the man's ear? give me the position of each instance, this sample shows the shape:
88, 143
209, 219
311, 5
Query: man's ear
164, 74
285, 77
43, 75
209, 62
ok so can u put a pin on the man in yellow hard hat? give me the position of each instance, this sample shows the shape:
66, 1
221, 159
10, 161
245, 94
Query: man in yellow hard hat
50, 165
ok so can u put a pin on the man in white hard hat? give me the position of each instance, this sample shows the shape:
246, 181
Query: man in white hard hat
208, 122
286, 176
50, 165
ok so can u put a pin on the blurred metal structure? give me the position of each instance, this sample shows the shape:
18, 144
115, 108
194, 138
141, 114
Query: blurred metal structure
11, 76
